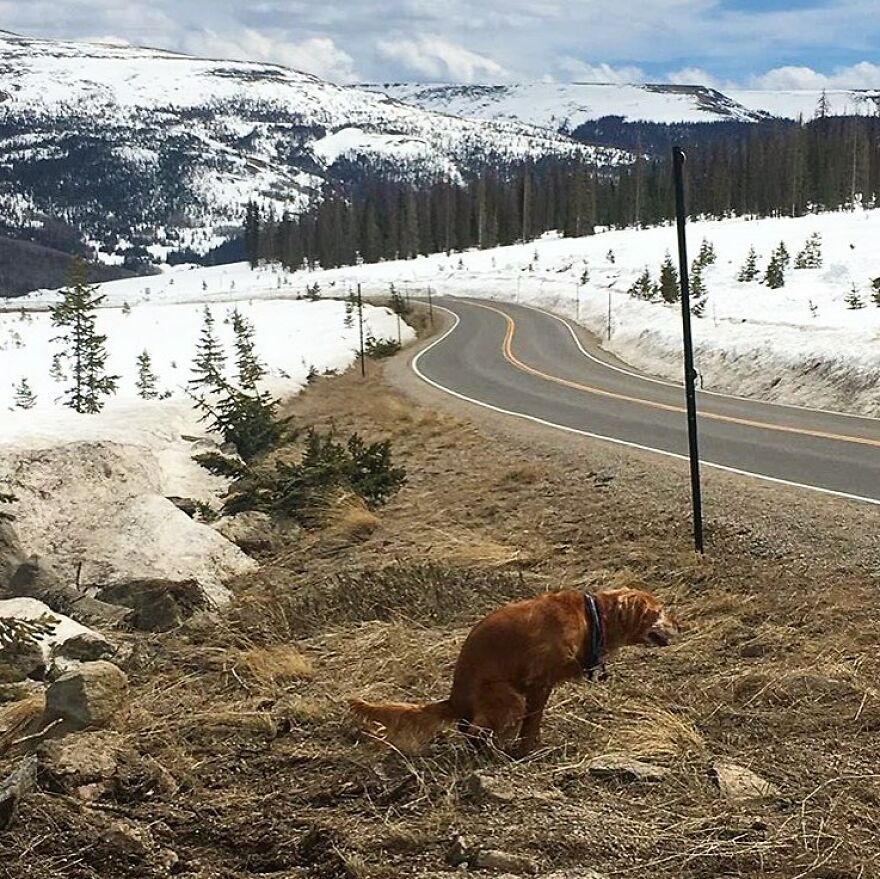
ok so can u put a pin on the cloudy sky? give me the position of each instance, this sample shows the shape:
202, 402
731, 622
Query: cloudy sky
759, 43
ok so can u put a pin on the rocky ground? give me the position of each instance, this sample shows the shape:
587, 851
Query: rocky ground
748, 749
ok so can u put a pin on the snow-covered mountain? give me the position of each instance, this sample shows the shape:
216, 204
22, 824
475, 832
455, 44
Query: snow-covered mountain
116, 138
566, 106
803, 103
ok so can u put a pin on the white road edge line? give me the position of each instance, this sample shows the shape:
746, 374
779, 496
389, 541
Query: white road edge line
566, 322
611, 439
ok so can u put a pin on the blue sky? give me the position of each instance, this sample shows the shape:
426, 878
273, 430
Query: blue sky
751, 43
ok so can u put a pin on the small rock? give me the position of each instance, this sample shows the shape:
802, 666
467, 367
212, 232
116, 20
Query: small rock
458, 853
753, 649
82, 761
14, 788
626, 770
129, 837
503, 862
88, 696
185, 504
483, 786
251, 531
85, 647
740, 785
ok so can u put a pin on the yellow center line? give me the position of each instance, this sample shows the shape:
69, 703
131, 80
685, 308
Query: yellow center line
513, 360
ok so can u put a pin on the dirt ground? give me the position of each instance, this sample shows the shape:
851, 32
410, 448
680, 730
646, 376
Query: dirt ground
243, 714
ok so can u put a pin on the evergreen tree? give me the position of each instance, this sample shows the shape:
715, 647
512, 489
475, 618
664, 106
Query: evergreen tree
783, 255
85, 349
610, 256
208, 364
249, 368
644, 287
699, 292
146, 379
811, 255
706, 257
853, 300
875, 291
24, 397
348, 320
774, 277
749, 271
669, 288
252, 234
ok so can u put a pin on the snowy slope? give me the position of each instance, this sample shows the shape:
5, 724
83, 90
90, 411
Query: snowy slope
800, 344
565, 106
129, 140
94, 489
794, 104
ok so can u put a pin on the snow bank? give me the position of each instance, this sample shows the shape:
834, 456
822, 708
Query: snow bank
93, 489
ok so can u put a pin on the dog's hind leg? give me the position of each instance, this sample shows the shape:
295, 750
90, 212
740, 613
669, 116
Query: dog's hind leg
499, 713
530, 734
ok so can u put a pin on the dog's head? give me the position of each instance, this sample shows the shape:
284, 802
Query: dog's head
637, 617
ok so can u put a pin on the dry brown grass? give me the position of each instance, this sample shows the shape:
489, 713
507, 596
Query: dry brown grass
346, 517
274, 666
17, 716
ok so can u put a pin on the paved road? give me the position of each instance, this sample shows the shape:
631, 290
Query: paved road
529, 363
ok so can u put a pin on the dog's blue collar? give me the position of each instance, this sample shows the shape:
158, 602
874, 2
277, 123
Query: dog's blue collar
595, 652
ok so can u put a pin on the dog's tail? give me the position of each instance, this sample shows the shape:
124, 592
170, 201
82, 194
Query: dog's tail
407, 727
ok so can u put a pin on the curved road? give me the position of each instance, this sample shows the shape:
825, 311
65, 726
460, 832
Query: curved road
528, 363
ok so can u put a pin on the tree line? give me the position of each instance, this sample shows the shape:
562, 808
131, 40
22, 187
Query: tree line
789, 169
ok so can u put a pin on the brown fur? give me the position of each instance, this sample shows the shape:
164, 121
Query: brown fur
512, 660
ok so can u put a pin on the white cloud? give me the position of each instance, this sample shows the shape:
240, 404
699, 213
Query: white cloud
863, 75
317, 55
581, 71
439, 59
692, 76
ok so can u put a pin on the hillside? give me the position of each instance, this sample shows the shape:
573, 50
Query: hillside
159, 150
568, 106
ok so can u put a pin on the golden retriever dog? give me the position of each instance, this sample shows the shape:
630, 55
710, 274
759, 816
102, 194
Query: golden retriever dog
512, 660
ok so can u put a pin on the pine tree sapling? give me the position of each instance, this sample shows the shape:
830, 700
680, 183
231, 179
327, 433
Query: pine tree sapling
146, 379
24, 397
774, 277
749, 271
853, 300
706, 256
208, 364
644, 287
699, 293
249, 368
84, 347
669, 288
811, 255
875, 291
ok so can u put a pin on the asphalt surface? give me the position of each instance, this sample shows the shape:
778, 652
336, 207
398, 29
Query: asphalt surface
529, 363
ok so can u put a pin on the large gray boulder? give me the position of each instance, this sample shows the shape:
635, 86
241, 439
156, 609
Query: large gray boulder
11, 556
86, 697
157, 605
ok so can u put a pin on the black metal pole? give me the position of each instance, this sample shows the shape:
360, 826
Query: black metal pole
430, 306
690, 374
361, 330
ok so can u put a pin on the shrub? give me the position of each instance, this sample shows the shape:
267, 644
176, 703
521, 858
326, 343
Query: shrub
299, 490
379, 348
